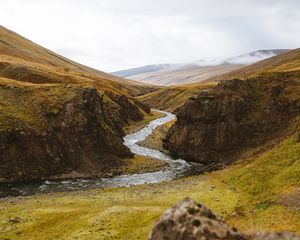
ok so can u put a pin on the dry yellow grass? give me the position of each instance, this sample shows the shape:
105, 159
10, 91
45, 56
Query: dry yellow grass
186, 75
23, 60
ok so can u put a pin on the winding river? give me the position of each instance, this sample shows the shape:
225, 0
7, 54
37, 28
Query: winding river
177, 168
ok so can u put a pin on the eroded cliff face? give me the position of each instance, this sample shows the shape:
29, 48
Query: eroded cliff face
216, 126
56, 130
127, 110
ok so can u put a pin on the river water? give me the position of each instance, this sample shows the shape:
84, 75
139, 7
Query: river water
178, 168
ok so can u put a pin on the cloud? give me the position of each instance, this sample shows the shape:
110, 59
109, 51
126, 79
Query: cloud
250, 58
115, 34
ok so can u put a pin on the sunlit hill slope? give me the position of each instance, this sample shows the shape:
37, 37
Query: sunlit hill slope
58, 116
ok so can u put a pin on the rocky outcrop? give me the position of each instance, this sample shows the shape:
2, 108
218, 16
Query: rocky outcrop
127, 110
189, 220
79, 132
216, 126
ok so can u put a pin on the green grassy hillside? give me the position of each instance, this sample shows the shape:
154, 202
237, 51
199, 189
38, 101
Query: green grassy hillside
257, 193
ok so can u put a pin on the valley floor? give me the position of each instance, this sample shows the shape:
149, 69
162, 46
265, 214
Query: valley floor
261, 193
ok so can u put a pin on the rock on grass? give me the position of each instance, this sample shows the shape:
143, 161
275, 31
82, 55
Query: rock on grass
189, 220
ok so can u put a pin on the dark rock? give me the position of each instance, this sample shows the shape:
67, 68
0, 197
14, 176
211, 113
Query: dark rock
145, 107
83, 134
15, 220
216, 126
127, 110
189, 220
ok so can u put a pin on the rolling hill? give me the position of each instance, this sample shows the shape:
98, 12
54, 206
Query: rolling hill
196, 72
144, 69
184, 75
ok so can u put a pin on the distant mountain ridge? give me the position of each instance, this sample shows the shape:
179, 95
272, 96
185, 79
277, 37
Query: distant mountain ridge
144, 69
195, 72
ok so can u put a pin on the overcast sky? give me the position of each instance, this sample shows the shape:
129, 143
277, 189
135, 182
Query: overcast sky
118, 34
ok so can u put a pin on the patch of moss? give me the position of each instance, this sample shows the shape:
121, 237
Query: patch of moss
27, 104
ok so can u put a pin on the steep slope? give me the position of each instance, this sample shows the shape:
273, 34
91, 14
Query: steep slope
59, 117
285, 62
217, 126
21, 58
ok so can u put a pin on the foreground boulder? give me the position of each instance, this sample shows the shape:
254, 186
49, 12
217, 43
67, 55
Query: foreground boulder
217, 126
189, 220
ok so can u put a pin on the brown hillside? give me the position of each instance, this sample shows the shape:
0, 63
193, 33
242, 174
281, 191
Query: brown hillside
186, 75
20, 58
58, 116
